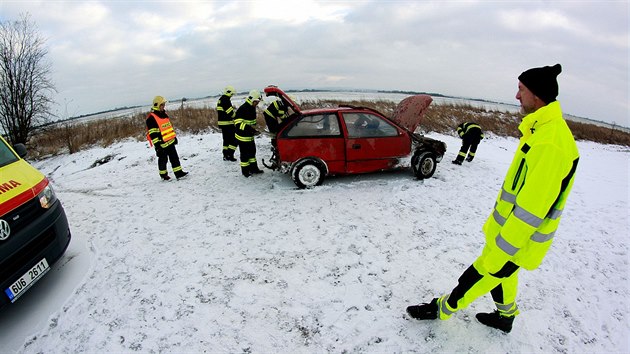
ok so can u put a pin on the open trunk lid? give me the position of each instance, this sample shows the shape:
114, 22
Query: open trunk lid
410, 111
277, 92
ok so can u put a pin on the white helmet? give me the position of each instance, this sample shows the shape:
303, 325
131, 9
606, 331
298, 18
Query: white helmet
229, 91
254, 95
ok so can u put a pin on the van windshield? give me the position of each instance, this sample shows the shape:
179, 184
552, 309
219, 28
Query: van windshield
6, 155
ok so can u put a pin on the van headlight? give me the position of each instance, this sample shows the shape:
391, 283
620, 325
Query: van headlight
47, 197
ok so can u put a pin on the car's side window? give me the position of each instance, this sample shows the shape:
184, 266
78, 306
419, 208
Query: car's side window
318, 125
365, 125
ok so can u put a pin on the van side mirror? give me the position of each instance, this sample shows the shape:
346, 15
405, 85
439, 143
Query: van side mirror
20, 149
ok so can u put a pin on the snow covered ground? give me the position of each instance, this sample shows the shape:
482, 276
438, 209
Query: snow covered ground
220, 263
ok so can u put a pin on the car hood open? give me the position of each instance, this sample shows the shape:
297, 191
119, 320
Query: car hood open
277, 92
410, 111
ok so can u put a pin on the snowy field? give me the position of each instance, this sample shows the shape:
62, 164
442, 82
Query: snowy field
220, 263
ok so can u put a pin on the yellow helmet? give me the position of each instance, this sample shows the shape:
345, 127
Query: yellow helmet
157, 101
229, 91
254, 95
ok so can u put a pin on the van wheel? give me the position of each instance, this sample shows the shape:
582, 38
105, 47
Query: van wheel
423, 164
307, 173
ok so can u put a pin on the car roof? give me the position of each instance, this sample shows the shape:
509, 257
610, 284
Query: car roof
408, 112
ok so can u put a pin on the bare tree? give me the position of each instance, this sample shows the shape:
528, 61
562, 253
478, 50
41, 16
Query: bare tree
25, 85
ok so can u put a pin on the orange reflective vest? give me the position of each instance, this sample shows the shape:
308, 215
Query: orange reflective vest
165, 128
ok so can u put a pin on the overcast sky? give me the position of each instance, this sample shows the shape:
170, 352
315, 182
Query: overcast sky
108, 54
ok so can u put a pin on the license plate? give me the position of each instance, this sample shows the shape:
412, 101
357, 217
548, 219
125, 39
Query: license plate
27, 280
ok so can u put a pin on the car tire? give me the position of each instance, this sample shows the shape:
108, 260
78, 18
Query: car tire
308, 173
423, 164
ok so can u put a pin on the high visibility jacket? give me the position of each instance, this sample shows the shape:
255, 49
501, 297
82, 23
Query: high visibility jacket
528, 208
275, 110
160, 131
471, 129
245, 121
225, 111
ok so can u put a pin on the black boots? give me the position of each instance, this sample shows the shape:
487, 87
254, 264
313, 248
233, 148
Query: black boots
469, 158
228, 155
430, 312
425, 311
457, 162
495, 320
180, 174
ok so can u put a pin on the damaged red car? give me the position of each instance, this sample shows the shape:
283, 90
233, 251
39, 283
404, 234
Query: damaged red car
313, 144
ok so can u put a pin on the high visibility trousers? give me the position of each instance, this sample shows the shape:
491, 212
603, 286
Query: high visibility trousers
229, 141
473, 284
469, 145
168, 154
248, 155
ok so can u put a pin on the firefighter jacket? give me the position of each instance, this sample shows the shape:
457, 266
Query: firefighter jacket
275, 111
470, 129
225, 111
245, 120
160, 131
531, 201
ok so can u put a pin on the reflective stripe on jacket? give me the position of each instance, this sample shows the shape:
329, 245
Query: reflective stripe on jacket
245, 121
473, 129
225, 111
160, 130
528, 208
275, 110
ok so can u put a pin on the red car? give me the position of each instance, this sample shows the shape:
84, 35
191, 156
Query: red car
312, 144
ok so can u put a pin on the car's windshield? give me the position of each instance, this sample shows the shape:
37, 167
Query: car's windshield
6, 155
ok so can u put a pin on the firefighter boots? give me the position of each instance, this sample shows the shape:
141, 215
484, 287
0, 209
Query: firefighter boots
457, 162
425, 311
469, 158
228, 155
165, 177
180, 174
495, 320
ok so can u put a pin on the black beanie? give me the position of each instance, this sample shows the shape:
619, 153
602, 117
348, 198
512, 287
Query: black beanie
542, 82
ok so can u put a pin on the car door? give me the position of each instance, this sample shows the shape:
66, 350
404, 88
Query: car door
314, 135
373, 143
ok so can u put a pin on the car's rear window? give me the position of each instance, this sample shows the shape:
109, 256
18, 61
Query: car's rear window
6, 155
364, 125
318, 125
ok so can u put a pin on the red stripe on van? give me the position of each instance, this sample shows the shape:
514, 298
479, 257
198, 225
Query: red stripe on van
22, 197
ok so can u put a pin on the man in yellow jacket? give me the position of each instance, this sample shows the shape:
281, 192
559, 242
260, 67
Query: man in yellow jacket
521, 228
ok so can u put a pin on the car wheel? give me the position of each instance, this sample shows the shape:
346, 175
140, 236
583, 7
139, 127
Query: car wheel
307, 173
423, 164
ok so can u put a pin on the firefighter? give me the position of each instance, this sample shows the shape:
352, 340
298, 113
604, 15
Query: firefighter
161, 135
471, 135
521, 227
225, 113
274, 115
244, 122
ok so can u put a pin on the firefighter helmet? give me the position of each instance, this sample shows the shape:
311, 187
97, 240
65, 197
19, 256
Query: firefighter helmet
229, 91
254, 95
158, 101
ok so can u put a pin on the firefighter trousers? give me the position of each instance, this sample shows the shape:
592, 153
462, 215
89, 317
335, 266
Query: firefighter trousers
168, 154
229, 141
474, 283
469, 146
248, 156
